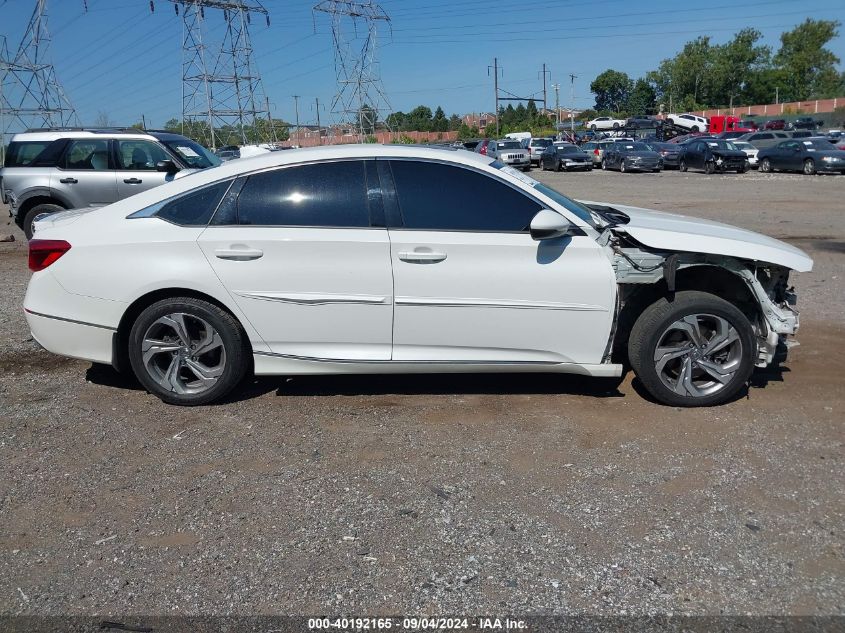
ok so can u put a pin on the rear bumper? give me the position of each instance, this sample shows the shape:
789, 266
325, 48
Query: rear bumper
76, 339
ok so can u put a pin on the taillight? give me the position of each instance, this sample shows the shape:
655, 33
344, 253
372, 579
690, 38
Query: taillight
596, 151
42, 253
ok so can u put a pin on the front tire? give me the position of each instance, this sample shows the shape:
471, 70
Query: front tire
682, 165
709, 167
187, 351
34, 212
809, 167
692, 350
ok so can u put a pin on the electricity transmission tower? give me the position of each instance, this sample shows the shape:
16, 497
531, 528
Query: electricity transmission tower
360, 97
222, 93
30, 92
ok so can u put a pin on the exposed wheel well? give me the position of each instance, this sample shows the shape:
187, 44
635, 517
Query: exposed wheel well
120, 341
711, 279
30, 203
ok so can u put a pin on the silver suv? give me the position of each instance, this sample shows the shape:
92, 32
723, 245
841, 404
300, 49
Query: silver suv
509, 152
52, 170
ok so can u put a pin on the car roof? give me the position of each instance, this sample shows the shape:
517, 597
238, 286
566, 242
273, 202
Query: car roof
53, 134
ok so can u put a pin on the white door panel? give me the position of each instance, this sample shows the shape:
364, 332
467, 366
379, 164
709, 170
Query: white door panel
310, 292
500, 297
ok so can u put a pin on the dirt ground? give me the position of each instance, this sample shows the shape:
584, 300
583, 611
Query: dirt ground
441, 494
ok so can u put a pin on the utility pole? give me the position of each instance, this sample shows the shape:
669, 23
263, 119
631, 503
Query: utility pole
270, 120
777, 91
319, 129
296, 106
557, 105
495, 89
572, 78
545, 100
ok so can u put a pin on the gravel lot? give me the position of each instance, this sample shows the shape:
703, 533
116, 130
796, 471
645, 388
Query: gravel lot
441, 494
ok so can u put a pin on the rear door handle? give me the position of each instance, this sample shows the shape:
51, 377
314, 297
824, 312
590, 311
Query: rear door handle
243, 254
424, 257
69, 181
133, 181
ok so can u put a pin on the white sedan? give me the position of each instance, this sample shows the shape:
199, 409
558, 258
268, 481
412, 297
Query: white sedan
391, 259
605, 123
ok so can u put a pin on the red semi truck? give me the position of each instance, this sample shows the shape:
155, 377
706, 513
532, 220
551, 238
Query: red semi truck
727, 123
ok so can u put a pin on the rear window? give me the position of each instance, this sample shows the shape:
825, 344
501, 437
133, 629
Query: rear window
192, 208
22, 153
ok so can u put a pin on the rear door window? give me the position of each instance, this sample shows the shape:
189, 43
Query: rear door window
319, 195
87, 155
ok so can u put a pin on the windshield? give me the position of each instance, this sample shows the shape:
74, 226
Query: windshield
721, 145
194, 154
567, 203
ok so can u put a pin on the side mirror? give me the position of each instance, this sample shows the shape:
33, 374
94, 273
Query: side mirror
167, 165
548, 224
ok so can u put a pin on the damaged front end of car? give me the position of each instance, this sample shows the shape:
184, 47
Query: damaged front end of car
761, 290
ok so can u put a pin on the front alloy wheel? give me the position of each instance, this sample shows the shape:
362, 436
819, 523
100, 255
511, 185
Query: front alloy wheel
809, 167
694, 349
187, 351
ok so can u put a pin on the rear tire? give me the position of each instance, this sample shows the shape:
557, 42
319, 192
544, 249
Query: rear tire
35, 211
766, 166
709, 167
188, 351
692, 350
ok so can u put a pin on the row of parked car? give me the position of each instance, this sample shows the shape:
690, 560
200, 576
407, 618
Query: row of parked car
696, 123
710, 154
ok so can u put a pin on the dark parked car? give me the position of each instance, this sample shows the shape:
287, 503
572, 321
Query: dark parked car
810, 155
640, 120
764, 139
805, 123
565, 156
631, 156
669, 152
775, 124
713, 155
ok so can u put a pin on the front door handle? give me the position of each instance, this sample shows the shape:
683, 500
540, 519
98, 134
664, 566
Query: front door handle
238, 254
422, 257
69, 181
133, 181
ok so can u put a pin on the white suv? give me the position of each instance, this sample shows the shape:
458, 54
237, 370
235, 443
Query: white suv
605, 123
691, 122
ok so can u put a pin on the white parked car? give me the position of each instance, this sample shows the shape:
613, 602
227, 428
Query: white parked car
750, 151
399, 259
605, 123
691, 122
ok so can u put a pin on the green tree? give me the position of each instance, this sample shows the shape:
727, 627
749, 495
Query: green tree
611, 89
454, 122
642, 99
807, 69
439, 122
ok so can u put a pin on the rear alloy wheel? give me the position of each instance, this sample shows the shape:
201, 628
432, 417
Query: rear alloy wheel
187, 351
809, 167
766, 166
593, 127
622, 165
693, 350
34, 212
709, 167
615, 126
695, 128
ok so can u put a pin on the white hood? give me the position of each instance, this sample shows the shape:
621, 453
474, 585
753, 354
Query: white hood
674, 232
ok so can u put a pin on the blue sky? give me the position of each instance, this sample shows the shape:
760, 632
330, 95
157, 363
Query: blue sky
121, 59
